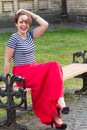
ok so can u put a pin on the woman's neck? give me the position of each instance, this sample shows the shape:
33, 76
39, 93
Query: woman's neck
23, 36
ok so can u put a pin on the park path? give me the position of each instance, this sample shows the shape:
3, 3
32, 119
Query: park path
76, 119
51, 27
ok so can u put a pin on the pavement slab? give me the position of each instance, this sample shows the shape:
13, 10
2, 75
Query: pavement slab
76, 119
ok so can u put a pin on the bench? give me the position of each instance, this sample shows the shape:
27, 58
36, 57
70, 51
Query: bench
77, 70
11, 103
73, 70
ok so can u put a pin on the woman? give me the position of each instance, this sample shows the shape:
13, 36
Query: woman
45, 80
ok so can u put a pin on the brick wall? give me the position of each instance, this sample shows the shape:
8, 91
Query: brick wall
51, 10
77, 11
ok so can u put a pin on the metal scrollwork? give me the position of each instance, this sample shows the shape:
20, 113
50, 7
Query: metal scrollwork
10, 105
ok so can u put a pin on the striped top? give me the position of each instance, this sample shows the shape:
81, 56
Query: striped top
24, 48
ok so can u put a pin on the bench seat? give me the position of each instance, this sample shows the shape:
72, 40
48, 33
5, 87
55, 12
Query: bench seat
69, 71
74, 69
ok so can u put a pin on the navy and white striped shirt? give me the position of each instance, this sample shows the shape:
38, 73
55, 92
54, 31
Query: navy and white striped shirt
24, 48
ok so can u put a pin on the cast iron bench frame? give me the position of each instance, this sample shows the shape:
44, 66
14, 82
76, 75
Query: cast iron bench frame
78, 69
11, 105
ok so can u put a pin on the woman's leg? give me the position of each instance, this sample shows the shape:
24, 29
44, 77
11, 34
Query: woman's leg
46, 85
61, 102
57, 121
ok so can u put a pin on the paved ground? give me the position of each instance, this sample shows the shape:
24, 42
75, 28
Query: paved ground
68, 25
76, 119
51, 27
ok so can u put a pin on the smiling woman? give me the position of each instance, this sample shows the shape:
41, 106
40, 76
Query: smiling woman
45, 80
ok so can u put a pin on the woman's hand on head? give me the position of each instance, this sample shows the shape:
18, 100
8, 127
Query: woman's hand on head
18, 11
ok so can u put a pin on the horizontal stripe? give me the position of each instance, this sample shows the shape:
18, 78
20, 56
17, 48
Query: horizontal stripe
24, 48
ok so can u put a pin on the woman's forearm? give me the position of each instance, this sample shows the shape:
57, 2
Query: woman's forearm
38, 19
7, 59
6, 68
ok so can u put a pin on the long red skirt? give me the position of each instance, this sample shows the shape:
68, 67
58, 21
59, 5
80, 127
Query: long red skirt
45, 81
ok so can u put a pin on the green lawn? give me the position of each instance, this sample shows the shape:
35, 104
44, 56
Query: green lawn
60, 45
57, 45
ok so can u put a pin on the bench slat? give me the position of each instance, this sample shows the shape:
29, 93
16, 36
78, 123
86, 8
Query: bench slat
73, 70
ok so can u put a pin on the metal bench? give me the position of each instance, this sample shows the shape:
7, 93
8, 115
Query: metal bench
11, 105
77, 69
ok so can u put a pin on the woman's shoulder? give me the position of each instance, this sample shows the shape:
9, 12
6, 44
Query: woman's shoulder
14, 35
13, 38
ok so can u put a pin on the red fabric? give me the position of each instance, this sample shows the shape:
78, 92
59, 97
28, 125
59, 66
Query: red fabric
45, 81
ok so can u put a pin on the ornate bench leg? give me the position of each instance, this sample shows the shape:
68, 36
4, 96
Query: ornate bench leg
11, 106
84, 88
12, 124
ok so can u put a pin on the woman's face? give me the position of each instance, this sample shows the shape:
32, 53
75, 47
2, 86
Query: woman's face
23, 24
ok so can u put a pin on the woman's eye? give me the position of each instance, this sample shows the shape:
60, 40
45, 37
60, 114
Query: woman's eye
27, 22
21, 21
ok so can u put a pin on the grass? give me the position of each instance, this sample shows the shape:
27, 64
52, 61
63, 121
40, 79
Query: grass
57, 45
60, 45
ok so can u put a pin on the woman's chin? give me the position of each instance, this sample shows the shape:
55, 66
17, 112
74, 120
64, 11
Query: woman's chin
23, 32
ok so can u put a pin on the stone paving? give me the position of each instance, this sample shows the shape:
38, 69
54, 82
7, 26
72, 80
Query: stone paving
51, 27
76, 119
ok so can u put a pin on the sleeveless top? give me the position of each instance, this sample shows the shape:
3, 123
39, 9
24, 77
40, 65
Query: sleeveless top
24, 48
